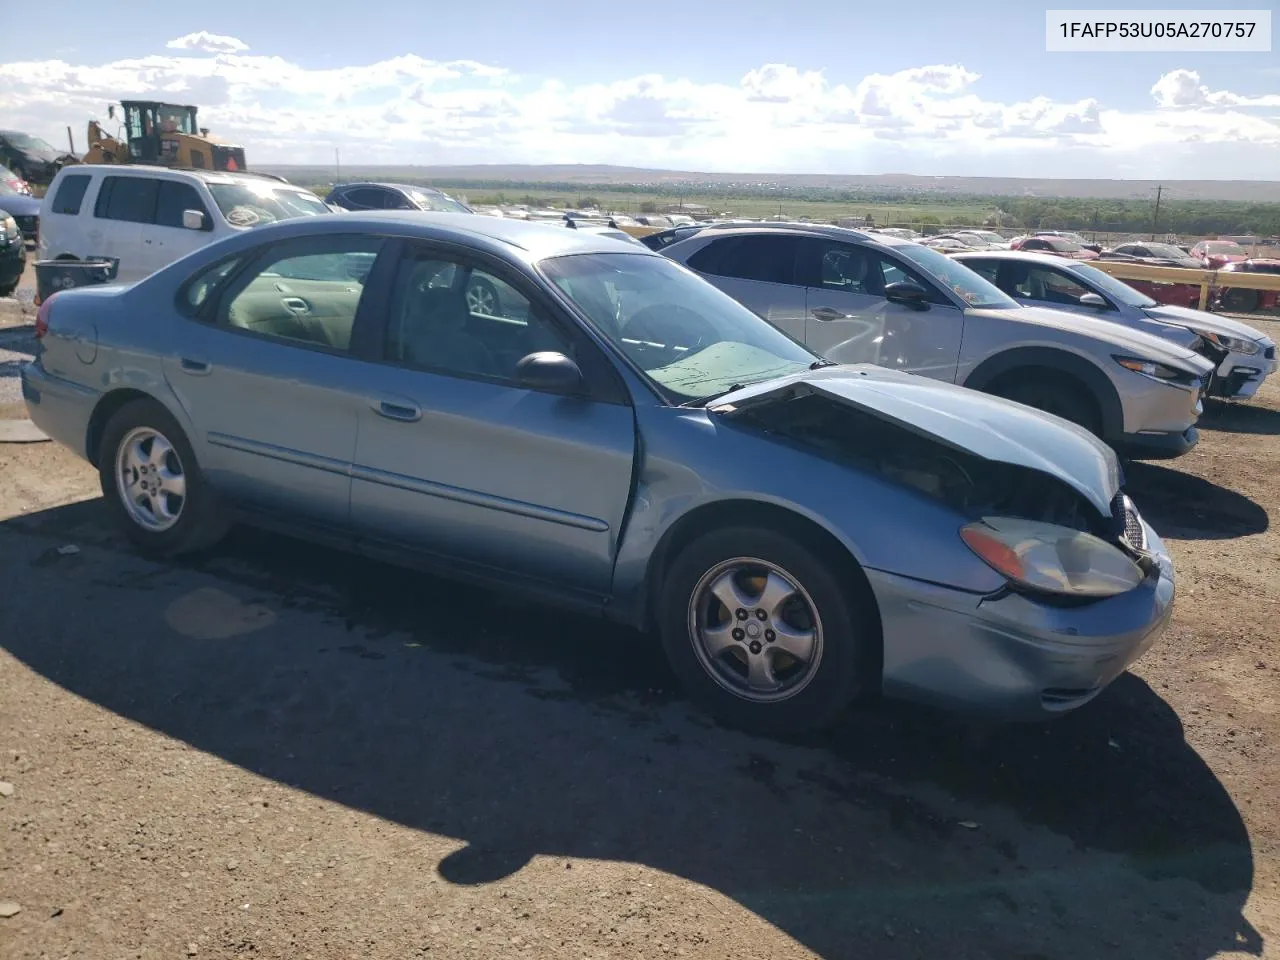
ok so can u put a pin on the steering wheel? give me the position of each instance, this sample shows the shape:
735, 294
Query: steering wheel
671, 326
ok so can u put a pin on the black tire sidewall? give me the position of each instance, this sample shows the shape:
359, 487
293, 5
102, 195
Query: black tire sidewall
199, 523
1072, 403
842, 671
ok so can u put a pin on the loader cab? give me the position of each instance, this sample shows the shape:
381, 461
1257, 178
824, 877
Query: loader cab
168, 134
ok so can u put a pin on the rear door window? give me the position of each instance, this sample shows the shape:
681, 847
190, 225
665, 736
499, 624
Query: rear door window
767, 258
132, 199
70, 194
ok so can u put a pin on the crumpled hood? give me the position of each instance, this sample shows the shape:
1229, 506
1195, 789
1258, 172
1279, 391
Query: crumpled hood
1145, 346
1203, 320
986, 426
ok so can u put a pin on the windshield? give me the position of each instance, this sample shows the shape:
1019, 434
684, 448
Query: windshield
1166, 251
691, 339
1062, 245
25, 142
956, 277
437, 201
253, 204
1111, 287
1224, 246
990, 237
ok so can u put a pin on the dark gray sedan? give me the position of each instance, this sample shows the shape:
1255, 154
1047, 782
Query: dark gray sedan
619, 437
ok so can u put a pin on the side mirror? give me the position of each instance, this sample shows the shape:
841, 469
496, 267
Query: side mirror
549, 370
192, 219
1094, 300
908, 293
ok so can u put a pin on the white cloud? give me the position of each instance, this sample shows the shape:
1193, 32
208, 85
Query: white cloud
206, 42
1182, 88
930, 119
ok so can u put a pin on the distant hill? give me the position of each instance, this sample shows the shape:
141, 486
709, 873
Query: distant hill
601, 176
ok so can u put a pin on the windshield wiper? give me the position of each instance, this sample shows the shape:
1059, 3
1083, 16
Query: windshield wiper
703, 401
823, 362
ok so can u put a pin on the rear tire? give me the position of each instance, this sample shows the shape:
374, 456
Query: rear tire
153, 485
1239, 301
7, 291
745, 660
1052, 393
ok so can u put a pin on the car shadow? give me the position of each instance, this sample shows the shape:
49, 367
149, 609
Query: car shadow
1223, 417
1186, 507
524, 732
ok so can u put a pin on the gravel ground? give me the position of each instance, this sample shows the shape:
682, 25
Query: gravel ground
282, 751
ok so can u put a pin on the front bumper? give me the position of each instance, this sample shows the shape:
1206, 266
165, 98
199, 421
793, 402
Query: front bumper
1156, 446
1240, 375
1012, 657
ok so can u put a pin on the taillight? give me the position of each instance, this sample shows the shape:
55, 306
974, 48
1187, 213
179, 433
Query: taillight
42, 316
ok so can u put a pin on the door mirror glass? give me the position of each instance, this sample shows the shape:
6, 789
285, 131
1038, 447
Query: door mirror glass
908, 293
193, 219
549, 370
1093, 300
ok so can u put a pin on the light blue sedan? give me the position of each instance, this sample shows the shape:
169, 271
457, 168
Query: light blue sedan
618, 436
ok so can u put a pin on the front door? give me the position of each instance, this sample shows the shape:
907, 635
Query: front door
849, 320
270, 378
167, 240
1037, 285
455, 458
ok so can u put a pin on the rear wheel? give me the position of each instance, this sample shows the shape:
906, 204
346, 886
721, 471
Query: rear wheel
1239, 301
6, 290
762, 631
153, 484
1052, 393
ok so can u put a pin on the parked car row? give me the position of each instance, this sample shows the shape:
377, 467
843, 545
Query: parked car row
817, 462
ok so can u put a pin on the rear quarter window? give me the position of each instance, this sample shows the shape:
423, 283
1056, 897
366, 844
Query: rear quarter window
70, 194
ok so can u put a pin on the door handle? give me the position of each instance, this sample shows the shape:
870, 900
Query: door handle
296, 305
197, 367
406, 412
827, 314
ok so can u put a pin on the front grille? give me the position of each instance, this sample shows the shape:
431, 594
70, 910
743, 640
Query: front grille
28, 225
1128, 525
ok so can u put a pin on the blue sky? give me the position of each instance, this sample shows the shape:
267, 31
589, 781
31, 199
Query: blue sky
806, 86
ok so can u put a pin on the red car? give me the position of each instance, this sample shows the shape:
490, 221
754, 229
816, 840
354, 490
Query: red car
15, 182
1216, 254
1057, 246
1239, 300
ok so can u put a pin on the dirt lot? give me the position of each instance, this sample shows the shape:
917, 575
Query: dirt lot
279, 751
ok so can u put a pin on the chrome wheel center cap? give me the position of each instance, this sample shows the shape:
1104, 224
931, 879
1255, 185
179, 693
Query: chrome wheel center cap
753, 630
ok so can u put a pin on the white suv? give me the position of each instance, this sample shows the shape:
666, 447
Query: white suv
146, 217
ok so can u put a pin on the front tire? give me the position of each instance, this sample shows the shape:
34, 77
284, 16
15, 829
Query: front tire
153, 485
761, 630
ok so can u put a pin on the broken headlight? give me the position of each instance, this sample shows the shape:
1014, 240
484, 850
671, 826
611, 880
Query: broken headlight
1232, 344
1050, 558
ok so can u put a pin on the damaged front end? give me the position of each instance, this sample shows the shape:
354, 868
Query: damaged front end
983, 457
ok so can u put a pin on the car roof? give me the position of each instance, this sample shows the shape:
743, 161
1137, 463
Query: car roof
151, 170
805, 229
388, 184
1020, 256
526, 240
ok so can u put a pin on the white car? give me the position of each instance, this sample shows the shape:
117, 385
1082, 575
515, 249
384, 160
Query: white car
145, 217
1243, 355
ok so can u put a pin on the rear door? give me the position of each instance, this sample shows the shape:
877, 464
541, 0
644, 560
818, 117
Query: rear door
455, 458
273, 379
849, 319
759, 271
123, 205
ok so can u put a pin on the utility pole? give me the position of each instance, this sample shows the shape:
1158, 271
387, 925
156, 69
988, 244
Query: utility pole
337, 167
1155, 217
